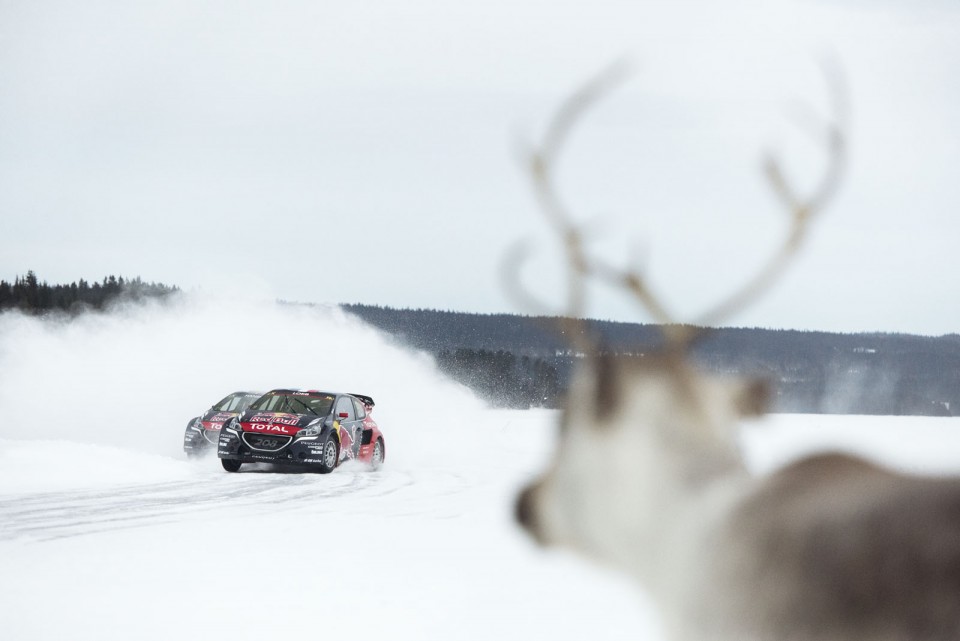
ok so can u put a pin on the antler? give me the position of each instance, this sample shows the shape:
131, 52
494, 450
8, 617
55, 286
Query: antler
801, 210
541, 161
582, 266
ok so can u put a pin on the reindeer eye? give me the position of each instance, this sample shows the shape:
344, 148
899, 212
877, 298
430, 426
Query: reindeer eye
754, 398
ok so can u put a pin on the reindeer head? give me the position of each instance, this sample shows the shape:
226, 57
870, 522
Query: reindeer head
637, 436
641, 436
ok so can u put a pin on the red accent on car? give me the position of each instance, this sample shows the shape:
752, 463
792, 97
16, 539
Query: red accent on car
270, 428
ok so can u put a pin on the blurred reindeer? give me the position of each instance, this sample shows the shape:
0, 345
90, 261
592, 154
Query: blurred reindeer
648, 478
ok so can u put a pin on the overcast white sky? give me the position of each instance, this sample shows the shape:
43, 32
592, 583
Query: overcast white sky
368, 151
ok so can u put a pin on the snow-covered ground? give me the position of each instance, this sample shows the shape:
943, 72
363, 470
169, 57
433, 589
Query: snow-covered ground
107, 532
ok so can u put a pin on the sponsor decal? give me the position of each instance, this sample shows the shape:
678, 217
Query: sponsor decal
270, 429
275, 418
213, 427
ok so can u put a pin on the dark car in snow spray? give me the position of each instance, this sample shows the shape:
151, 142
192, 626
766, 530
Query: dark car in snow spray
203, 431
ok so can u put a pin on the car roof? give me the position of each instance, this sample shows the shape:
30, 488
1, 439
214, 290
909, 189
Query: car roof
363, 398
290, 390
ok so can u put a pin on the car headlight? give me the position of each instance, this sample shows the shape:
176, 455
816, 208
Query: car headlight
232, 426
312, 428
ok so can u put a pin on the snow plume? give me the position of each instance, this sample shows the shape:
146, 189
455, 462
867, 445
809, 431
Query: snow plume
867, 387
134, 377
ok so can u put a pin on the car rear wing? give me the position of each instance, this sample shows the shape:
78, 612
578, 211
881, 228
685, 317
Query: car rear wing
366, 400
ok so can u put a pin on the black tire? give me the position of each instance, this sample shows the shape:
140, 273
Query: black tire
376, 460
230, 464
330, 455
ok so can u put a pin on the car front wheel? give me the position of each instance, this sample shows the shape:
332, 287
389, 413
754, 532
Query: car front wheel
230, 465
329, 456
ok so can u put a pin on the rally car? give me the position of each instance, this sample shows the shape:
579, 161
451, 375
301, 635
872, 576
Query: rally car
305, 428
203, 431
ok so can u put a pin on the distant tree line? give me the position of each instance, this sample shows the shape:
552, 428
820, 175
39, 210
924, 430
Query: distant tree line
522, 361
29, 295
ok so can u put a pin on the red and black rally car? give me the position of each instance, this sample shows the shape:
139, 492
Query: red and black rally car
203, 432
303, 427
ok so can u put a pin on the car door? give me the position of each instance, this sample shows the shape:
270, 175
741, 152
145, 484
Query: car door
350, 427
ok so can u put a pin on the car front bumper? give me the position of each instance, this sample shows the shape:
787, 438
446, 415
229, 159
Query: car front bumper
249, 447
197, 439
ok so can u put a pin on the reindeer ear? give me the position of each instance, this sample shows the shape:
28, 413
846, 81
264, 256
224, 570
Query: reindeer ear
753, 398
606, 392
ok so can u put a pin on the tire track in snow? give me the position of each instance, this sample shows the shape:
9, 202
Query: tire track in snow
54, 515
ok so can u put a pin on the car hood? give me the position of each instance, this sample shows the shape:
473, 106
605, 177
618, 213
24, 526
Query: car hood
275, 422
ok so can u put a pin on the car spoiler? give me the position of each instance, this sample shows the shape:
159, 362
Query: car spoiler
366, 400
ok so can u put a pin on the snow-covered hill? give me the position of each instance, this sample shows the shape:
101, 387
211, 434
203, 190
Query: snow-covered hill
107, 532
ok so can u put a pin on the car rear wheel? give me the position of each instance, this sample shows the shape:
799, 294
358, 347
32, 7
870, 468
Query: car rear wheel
329, 456
230, 465
376, 459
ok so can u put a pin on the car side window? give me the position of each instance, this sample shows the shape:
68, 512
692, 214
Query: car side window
358, 406
345, 406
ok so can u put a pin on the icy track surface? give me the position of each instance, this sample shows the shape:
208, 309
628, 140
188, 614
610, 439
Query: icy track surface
107, 532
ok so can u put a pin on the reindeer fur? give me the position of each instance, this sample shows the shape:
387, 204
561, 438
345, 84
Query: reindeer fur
648, 478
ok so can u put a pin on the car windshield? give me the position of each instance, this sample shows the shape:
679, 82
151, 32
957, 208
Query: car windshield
236, 402
295, 403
